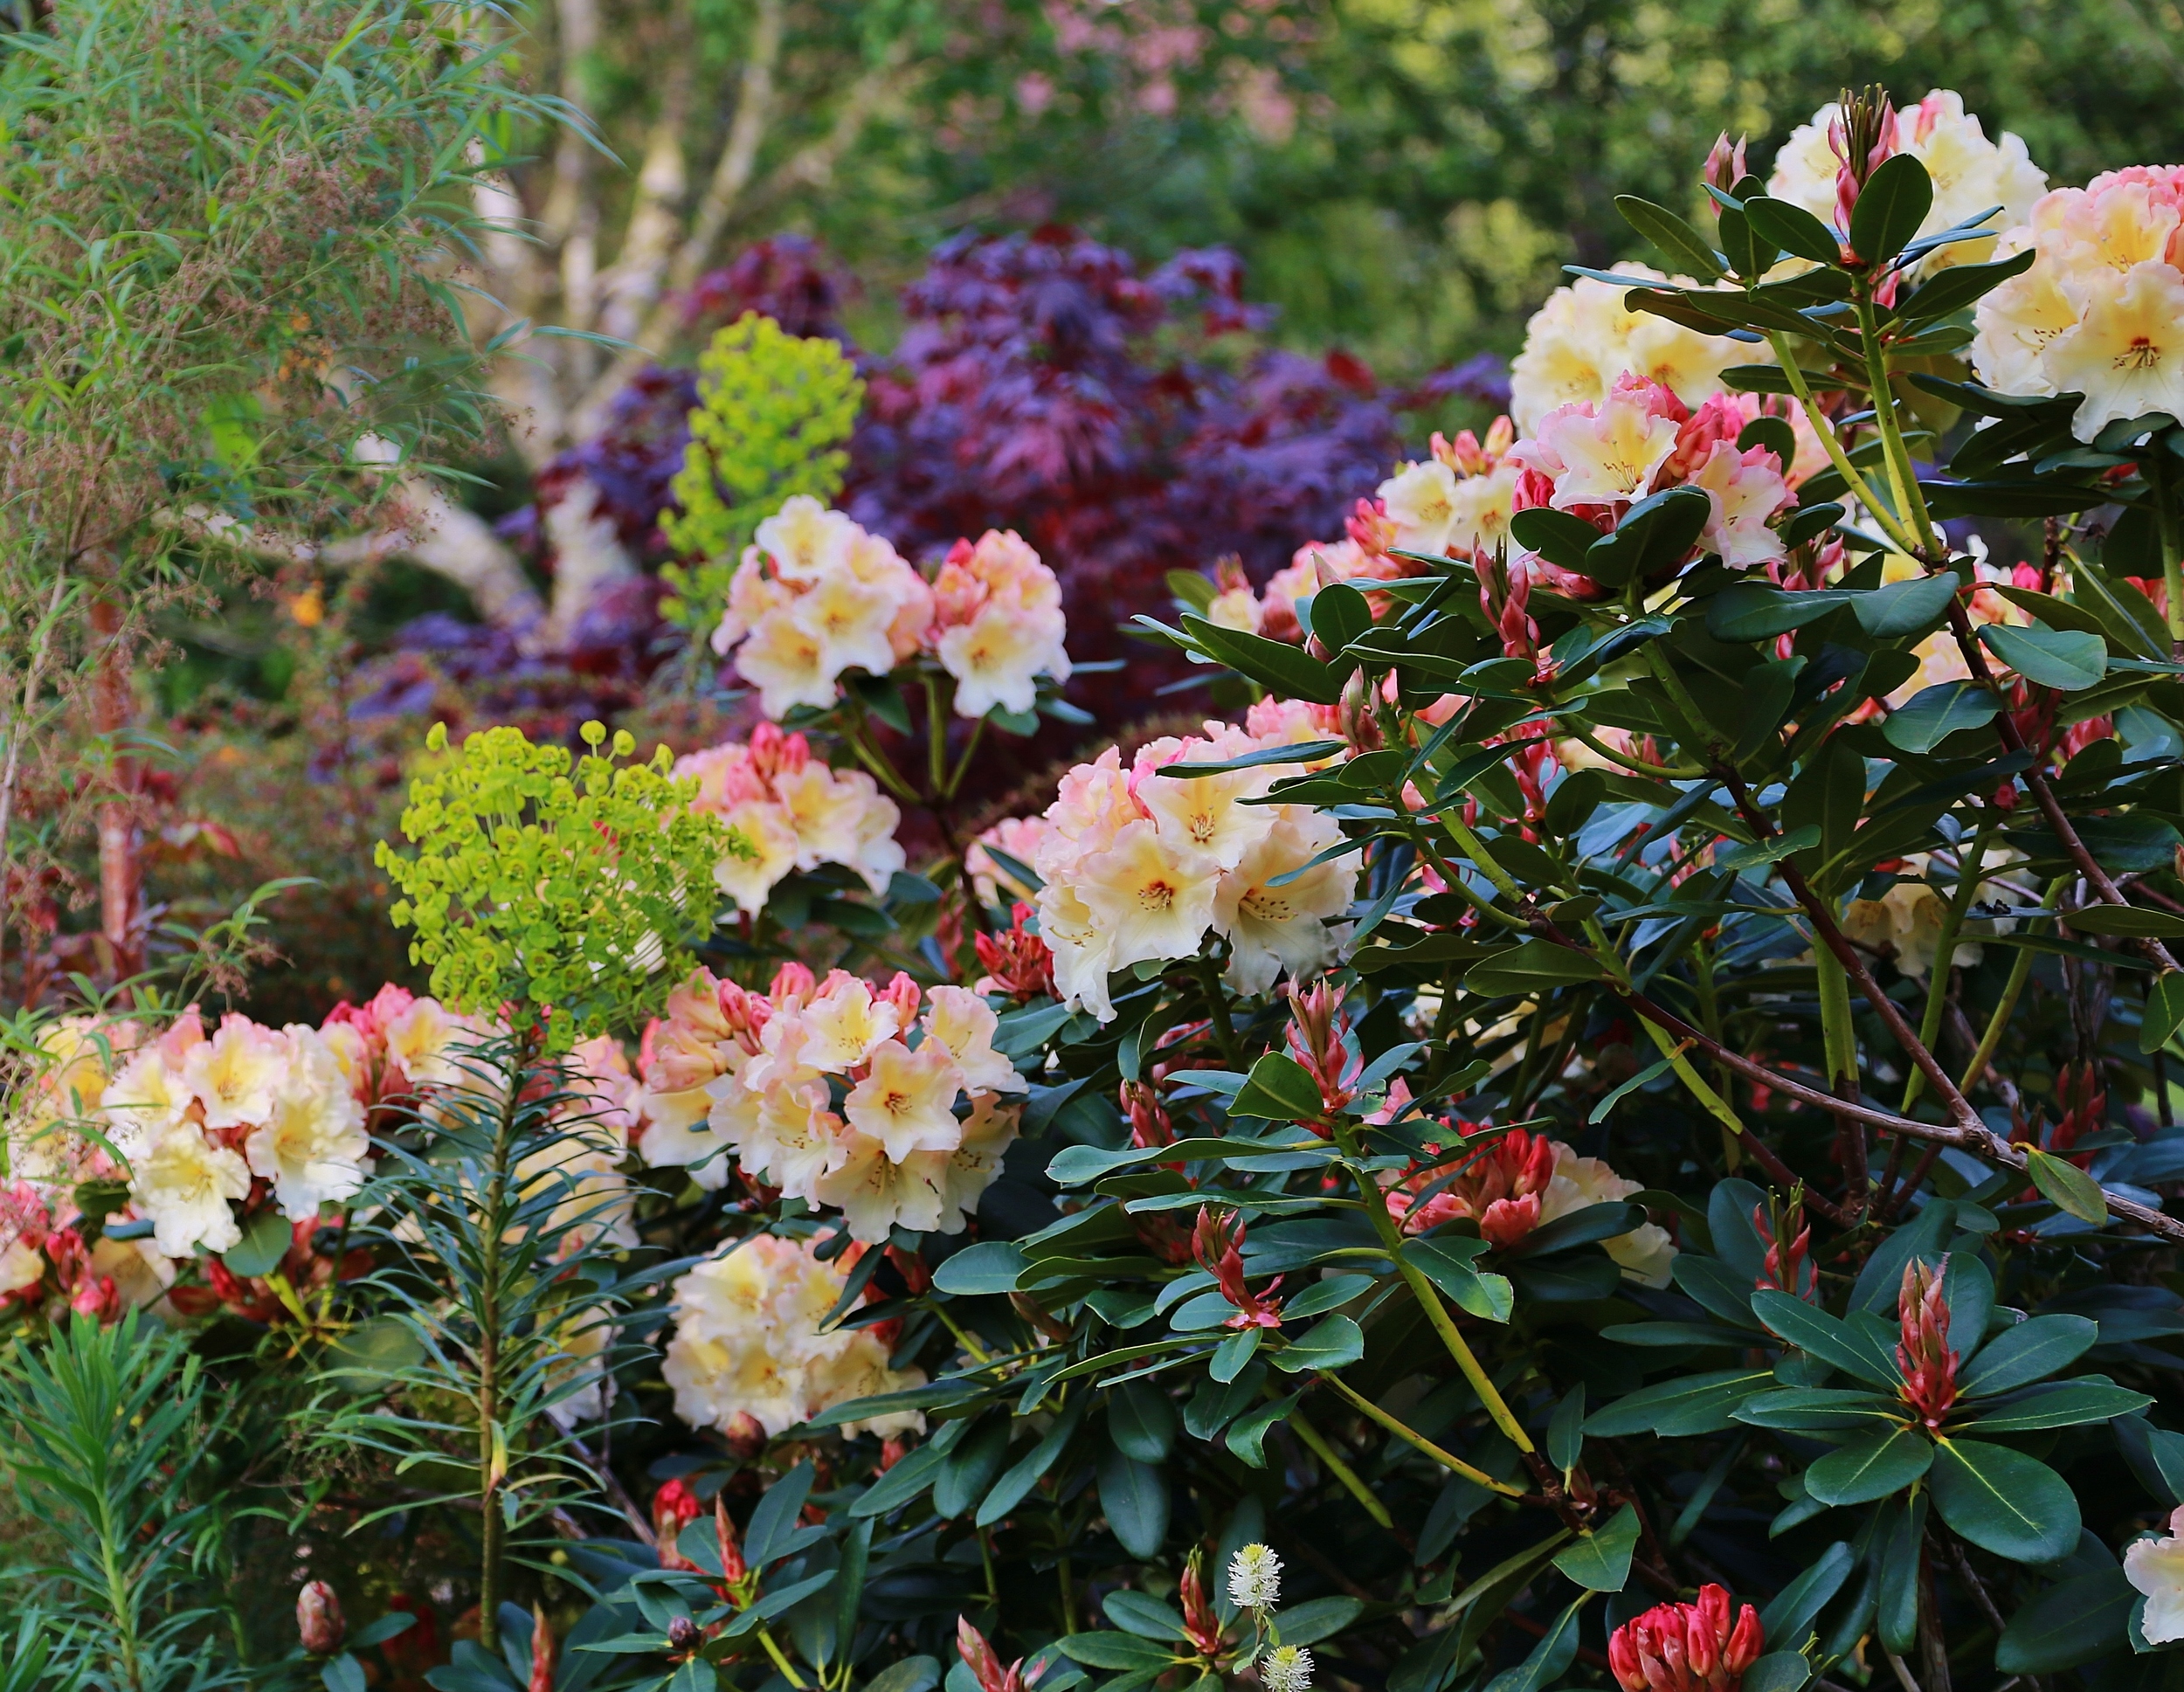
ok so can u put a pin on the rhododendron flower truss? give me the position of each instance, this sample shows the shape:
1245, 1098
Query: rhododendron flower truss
791, 812
889, 1104
817, 598
751, 1340
1140, 864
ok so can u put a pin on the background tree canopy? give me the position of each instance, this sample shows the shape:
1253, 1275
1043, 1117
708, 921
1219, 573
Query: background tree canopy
1463, 148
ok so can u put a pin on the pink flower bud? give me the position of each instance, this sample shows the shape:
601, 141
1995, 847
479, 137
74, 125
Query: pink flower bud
543, 1653
1929, 1365
319, 1625
1725, 166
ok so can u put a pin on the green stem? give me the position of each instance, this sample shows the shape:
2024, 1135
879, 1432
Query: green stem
2166, 522
1316, 1442
1217, 1012
963, 764
492, 1448
936, 738
780, 1661
1971, 871
1412, 1437
1902, 475
1687, 707
882, 768
119, 1600
1838, 1034
1069, 1579
1428, 1297
2019, 972
1636, 766
1824, 426
1717, 1107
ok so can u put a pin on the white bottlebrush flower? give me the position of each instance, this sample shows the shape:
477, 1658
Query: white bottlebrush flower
1287, 1668
1254, 1577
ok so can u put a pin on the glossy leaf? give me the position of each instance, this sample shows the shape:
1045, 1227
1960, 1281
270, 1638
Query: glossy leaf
2071, 1623
2003, 1500
1870, 1467
1685, 249
1930, 715
2062, 658
1890, 207
2030, 1351
1599, 1561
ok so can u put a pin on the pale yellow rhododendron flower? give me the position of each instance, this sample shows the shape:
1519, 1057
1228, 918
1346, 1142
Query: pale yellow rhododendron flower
236, 1074
923, 1122
2098, 313
793, 813
1139, 864
310, 1144
1644, 1253
1584, 338
1970, 173
184, 1183
905, 1101
748, 1340
2155, 1567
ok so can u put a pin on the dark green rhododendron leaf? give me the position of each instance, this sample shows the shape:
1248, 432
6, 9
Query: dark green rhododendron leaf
1114, 1650
1869, 1468
1930, 715
1134, 1497
1530, 967
1599, 1561
2073, 1622
1317, 1619
1819, 1335
2004, 1501
1340, 615
1330, 1344
1905, 608
2060, 658
2066, 1186
2030, 1351
1141, 1421
1558, 536
1684, 248
264, 1242
2131, 922
1778, 1671
1695, 1404
1891, 205
1279, 1089
1753, 610
1653, 537
1273, 664
2164, 1013
1794, 228
992, 1266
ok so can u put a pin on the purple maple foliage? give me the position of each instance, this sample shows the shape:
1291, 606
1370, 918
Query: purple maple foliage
1043, 383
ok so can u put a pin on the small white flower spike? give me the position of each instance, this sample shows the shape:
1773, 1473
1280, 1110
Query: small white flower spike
1254, 1580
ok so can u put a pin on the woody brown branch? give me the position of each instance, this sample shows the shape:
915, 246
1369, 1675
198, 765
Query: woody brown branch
2036, 778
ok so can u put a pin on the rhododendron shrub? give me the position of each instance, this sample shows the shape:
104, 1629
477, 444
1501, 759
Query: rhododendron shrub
1607, 1121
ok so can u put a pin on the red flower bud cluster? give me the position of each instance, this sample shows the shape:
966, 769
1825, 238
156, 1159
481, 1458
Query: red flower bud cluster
1219, 1246
1929, 1365
1017, 963
1686, 1647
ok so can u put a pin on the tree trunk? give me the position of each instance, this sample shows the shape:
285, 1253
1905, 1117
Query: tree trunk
120, 866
